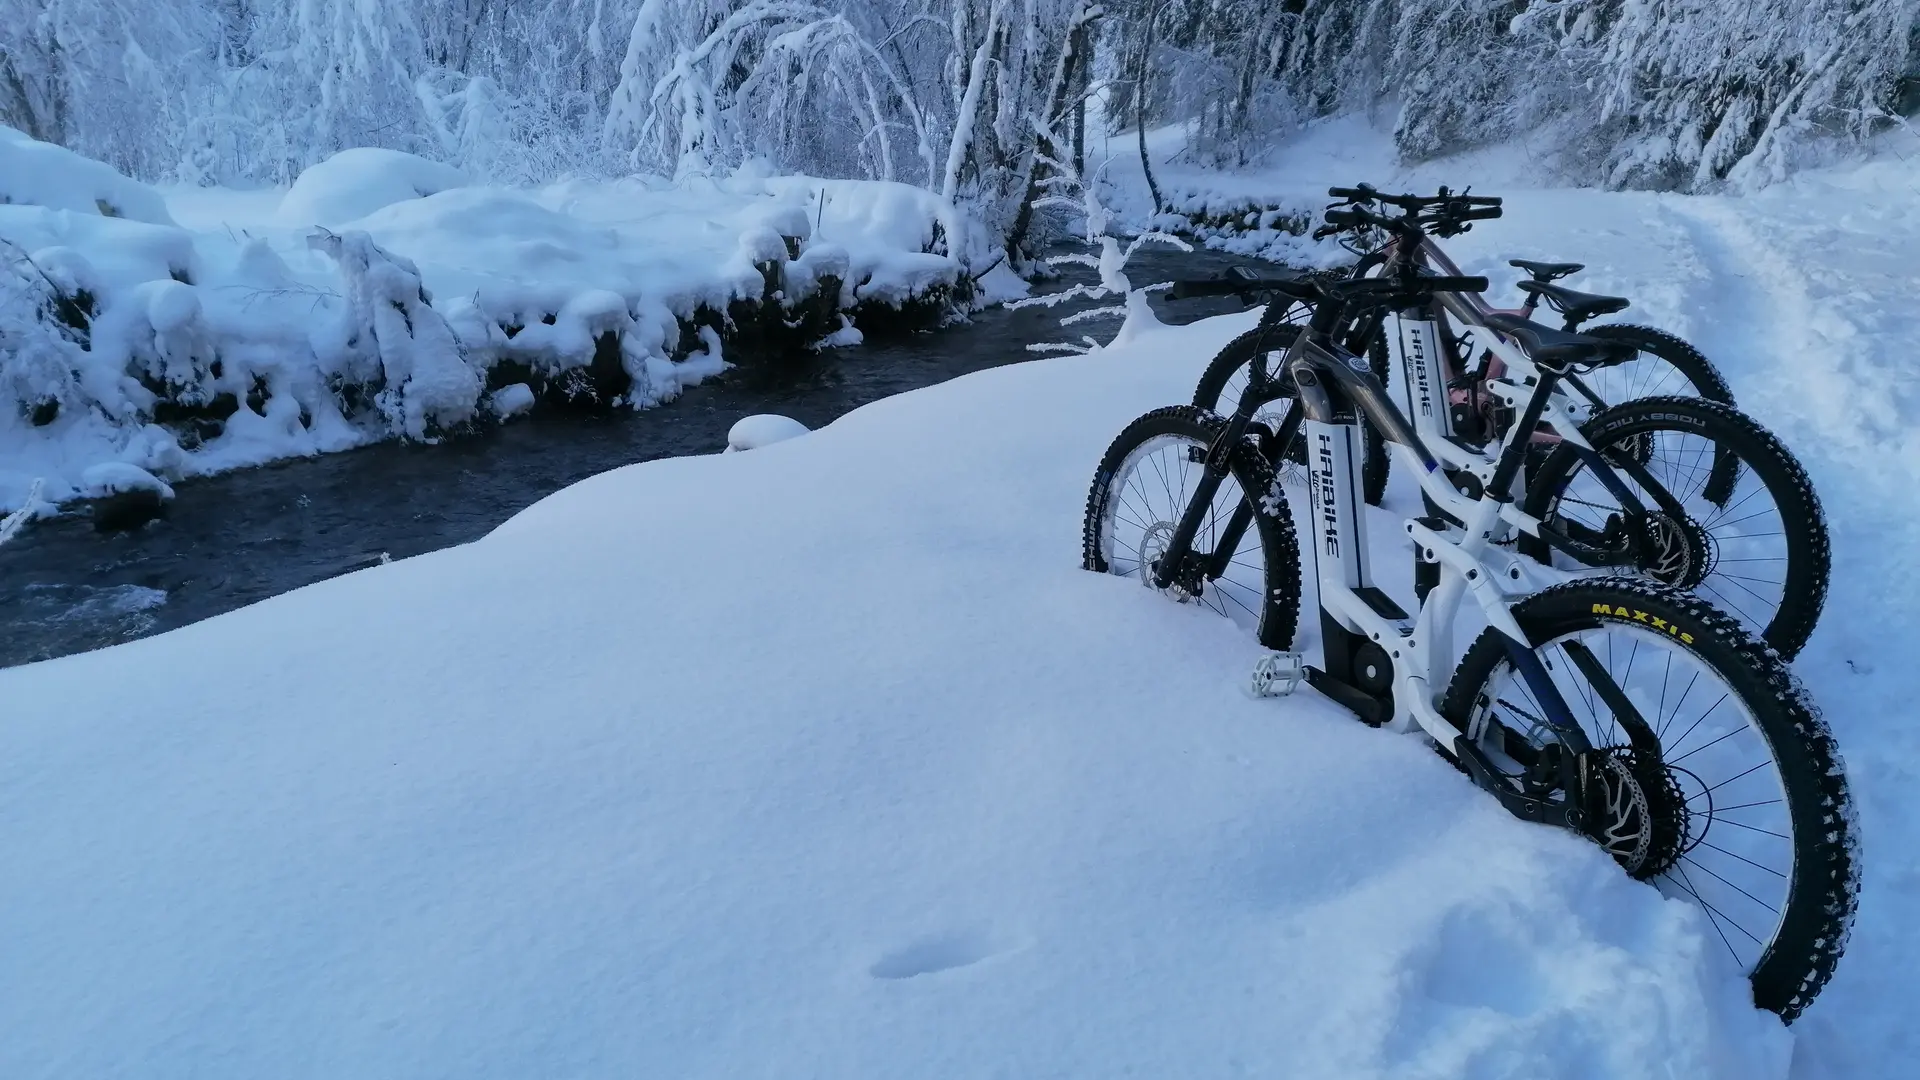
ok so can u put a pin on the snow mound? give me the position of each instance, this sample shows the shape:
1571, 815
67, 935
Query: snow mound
117, 477
764, 429
35, 173
354, 183
667, 755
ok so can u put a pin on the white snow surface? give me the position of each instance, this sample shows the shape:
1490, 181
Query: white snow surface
863, 778
762, 429
42, 174
870, 780
354, 183
234, 297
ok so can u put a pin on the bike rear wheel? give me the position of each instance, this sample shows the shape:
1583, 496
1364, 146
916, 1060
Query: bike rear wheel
1665, 365
1723, 787
1750, 535
1147, 479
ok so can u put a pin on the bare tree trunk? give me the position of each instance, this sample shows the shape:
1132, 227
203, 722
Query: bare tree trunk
1066, 75
1140, 117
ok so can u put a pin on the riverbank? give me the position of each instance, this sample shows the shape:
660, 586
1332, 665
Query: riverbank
191, 332
829, 748
240, 536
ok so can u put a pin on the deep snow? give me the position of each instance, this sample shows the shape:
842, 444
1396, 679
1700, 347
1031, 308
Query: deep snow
868, 780
824, 760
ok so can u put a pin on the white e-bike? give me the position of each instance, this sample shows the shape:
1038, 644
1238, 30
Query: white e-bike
1618, 708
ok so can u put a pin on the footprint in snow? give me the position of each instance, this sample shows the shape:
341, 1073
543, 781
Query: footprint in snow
935, 953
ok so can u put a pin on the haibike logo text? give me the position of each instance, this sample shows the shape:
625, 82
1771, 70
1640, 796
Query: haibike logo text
1329, 508
1417, 369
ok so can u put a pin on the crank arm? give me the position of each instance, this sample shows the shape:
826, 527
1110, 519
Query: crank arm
1564, 813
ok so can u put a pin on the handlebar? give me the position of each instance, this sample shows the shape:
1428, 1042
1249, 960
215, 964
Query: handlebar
1444, 214
1367, 193
1239, 281
1374, 291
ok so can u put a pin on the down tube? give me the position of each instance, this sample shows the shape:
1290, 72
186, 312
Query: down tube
1339, 525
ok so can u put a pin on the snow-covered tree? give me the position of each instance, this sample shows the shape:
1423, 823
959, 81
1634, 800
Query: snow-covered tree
940, 93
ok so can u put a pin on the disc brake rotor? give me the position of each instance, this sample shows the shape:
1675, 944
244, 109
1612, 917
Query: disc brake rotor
1638, 812
1153, 548
1675, 551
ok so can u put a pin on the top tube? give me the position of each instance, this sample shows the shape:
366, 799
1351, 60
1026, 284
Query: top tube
1447, 267
1360, 388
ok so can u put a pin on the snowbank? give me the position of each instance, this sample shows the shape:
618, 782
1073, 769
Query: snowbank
42, 174
354, 183
254, 335
600, 798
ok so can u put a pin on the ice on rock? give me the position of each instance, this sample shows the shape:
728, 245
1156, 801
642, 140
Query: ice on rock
119, 477
762, 244
512, 400
763, 429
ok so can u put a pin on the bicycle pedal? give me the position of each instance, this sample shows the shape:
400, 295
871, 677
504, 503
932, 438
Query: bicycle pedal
1278, 674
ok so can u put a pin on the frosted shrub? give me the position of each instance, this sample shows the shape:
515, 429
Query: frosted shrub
388, 335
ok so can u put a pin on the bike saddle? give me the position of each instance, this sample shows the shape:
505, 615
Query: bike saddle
1546, 271
1557, 349
1576, 306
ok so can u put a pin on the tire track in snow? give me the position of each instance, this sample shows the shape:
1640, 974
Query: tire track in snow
1802, 310
1802, 368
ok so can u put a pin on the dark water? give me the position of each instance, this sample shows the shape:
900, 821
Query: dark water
234, 539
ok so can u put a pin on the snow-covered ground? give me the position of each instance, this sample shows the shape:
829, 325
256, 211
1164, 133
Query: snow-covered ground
202, 292
870, 780
853, 773
1803, 295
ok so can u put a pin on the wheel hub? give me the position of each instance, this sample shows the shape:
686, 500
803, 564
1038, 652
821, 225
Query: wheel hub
1675, 551
1637, 812
1153, 550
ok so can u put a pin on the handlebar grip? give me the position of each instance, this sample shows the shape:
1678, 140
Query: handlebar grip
1479, 200
1485, 213
1364, 192
1464, 283
1193, 289
1345, 219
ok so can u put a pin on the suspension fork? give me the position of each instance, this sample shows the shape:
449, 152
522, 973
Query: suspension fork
1218, 463
1242, 517
1326, 317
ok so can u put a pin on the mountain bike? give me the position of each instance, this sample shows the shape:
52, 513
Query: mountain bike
1700, 496
1620, 709
1664, 364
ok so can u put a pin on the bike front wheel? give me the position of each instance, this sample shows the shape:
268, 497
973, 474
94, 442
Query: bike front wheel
1245, 557
1715, 778
1230, 373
